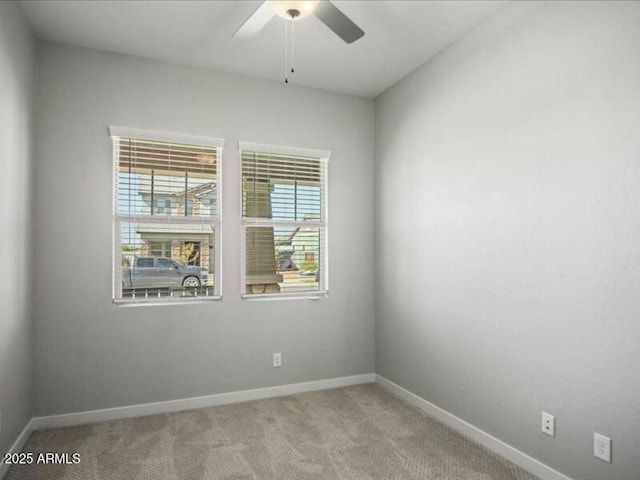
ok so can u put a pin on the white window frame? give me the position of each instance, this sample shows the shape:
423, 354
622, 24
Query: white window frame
153, 135
323, 225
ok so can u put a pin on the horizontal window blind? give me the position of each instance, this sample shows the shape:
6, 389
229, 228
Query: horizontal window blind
166, 218
284, 200
296, 187
157, 178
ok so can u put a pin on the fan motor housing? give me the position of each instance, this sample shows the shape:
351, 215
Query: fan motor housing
293, 13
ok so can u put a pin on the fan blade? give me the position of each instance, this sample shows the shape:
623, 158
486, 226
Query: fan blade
256, 21
337, 21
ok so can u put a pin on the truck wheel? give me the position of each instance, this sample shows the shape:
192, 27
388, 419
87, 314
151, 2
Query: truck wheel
191, 282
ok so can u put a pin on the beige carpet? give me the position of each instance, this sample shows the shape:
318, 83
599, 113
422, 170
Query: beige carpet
353, 433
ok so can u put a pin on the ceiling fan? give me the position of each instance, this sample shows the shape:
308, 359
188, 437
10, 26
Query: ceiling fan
294, 10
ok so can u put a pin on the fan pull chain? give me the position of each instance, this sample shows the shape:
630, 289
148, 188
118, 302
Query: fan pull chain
286, 52
292, 46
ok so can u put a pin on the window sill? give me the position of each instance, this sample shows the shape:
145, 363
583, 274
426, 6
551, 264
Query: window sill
314, 296
172, 301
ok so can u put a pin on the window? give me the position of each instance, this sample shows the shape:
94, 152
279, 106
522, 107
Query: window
160, 249
189, 208
284, 231
190, 253
162, 205
208, 205
165, 244
165, 263
145, 262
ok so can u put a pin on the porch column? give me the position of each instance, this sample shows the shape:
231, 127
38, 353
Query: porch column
260, 255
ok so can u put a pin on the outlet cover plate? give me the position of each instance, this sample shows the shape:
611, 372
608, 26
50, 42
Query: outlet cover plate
602, 447
277, 359
548, 424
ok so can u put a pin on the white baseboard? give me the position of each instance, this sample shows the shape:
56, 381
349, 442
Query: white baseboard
81, 418
530, 464
17, 446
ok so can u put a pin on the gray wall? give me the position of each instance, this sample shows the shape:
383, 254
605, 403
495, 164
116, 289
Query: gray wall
90, 354
508, 231
17, 78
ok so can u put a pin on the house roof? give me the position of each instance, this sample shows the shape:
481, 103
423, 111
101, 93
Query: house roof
175, 228
165, 185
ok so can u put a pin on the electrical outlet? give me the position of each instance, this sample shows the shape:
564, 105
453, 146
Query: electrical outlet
277, 359
602, 447
548, 424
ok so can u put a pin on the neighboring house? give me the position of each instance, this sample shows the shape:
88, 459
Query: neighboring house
302, 246
190, 244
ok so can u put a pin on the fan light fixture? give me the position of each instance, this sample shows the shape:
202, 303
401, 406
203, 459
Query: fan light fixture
294, 9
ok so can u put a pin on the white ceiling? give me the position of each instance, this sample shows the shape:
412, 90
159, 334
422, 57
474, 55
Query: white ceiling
400, 36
